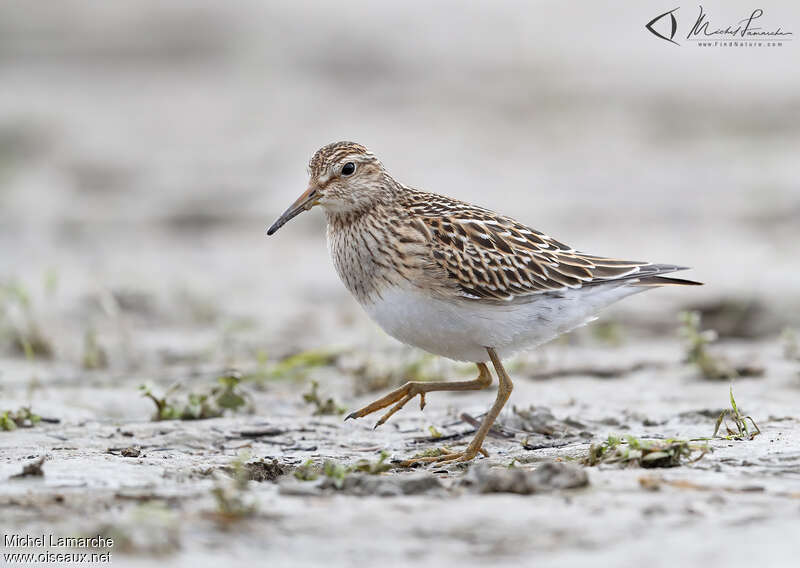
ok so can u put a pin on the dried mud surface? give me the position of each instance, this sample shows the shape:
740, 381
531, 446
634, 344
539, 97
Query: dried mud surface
136, 182
151, 484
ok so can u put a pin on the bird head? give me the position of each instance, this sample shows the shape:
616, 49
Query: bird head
345, 177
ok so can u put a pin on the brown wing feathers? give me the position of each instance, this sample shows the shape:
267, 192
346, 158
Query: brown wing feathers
496, 258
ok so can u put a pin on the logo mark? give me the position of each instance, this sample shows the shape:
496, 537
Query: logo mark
673, 26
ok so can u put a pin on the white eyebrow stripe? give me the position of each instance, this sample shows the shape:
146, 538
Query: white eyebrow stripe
360, 158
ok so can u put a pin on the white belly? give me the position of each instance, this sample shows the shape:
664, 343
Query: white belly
462, 330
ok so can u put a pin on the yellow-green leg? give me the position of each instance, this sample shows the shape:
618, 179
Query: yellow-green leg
475, 446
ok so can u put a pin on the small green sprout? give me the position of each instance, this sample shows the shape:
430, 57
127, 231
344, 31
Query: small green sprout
326, 407
200, 405
19, 324
697, 341
337, 473
742, 431
433, 452
227, 397
598, 451
22, 418
307, 472
164, 410
434, 432
373, 468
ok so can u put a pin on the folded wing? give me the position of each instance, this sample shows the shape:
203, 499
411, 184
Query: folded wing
496, 258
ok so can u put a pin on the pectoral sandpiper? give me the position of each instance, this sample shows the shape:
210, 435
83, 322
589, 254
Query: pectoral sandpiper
455, 279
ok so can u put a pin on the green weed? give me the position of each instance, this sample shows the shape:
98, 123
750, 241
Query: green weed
434, 432
18, 323
225, 395
373, 468
433, 452
21, 418
644, 453
697, 341
307, 472
321, 407
337, 473
732, 414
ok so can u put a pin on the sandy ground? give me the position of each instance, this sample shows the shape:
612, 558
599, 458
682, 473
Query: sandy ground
737, 505
143, 152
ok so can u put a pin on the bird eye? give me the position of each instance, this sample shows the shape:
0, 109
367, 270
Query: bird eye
348, 169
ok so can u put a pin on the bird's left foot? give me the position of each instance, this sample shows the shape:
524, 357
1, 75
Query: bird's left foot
445, 457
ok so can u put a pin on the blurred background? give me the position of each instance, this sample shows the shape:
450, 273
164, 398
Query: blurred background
145, 147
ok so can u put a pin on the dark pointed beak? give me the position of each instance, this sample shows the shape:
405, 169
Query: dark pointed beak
303, 203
